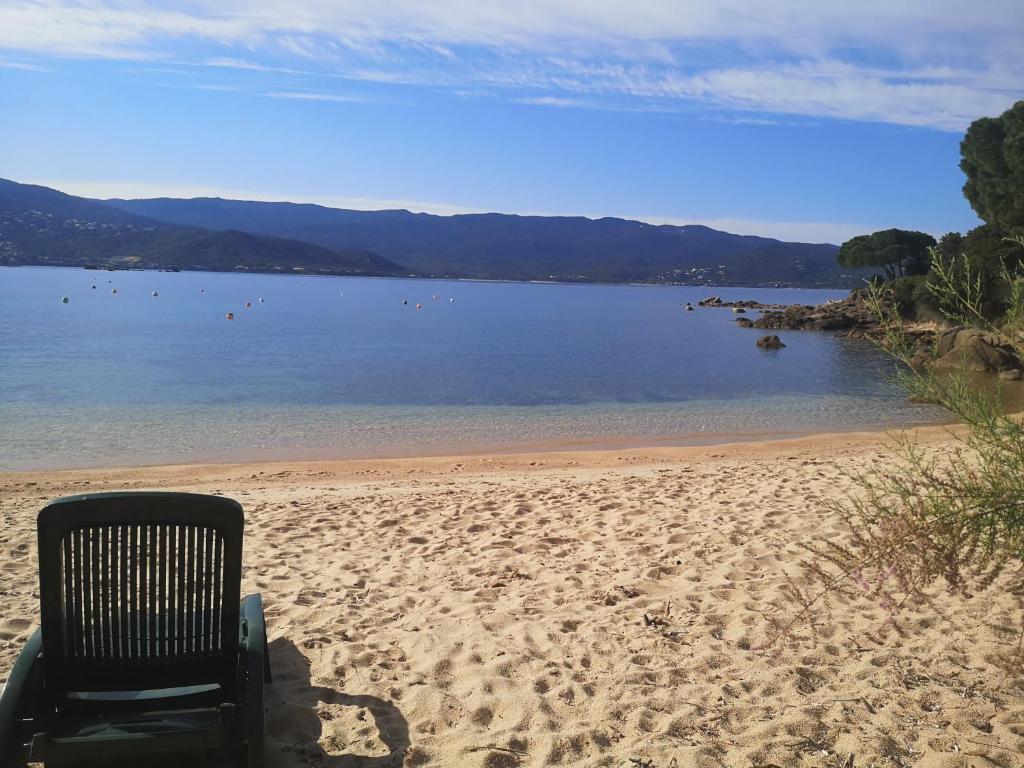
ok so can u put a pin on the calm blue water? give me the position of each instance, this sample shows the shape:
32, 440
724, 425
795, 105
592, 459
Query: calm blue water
334, 367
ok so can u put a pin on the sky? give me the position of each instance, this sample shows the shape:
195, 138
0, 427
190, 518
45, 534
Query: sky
799, 119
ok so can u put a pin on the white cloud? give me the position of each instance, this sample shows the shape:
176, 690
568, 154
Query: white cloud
552, 101
308, 96
27, 66
796, 231
935, 64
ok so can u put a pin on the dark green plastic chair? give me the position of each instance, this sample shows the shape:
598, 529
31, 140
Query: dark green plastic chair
145, 647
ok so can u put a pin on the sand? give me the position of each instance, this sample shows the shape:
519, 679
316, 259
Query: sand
490, 611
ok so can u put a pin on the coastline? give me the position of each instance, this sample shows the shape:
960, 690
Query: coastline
599, 451
600, 454
850, 285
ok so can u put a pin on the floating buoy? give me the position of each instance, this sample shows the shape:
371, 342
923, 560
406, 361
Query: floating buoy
435, 297
451, 301
248, 305
64, 300
113, 290
230, 316
202, 290
404, 302
155, 294
94, 287
419, 306
260, 300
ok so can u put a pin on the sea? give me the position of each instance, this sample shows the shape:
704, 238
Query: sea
140, 368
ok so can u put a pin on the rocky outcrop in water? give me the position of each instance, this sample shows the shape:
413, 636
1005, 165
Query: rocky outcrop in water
715, 301
946, 350
770, 342
850, 314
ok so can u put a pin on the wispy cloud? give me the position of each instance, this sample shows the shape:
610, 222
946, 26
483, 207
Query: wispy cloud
307, 96
898, 61
552, 101
27, 66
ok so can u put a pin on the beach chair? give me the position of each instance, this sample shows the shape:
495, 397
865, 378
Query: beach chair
145, 648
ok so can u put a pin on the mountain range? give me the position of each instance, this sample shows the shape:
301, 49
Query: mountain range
43, 226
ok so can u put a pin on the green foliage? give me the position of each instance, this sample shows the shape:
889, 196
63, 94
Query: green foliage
977, 285
992, 154
899, 252
990, 252
955, 516
910, 294
951, 246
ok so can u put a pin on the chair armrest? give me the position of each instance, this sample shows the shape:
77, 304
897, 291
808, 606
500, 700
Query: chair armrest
253, 630
13, 690
253, 647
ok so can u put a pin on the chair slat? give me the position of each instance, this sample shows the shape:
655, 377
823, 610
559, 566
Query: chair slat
190, 596
125, 643
162, 592
87, 592
133, 585
172, 613
217, 577
154, 630
104, 592
197, 621
144, 591
95, 552
209, 580
112, 593
69, 596
182, 553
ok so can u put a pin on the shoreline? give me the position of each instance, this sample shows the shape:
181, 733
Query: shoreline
589, 454
427, 278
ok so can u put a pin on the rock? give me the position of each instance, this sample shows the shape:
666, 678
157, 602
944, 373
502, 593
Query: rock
770, 342
710, 301
920, 361
744, 322
849, 314
975, 351
1013, 374
739, 311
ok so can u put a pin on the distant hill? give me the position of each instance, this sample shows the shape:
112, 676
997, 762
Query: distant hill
500, 246
42, 226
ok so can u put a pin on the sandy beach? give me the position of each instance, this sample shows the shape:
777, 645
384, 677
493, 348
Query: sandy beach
591, 608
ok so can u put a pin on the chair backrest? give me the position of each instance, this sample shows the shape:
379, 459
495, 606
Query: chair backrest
139, 591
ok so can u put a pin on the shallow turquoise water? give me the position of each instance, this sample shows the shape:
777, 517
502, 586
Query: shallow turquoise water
336, 367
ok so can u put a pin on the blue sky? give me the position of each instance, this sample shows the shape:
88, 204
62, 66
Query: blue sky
788, 118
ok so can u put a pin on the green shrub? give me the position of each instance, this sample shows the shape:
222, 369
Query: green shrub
912, 295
